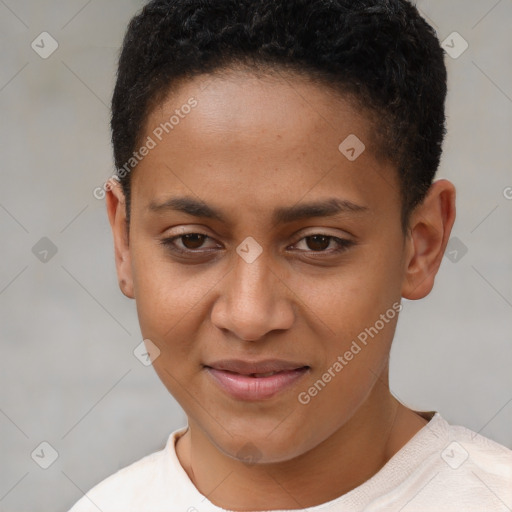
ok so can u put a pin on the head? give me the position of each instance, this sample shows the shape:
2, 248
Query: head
276, 200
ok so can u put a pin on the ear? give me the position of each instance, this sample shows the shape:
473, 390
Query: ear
430, 226
116, 208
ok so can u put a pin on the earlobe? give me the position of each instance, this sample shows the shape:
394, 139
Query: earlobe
116, 209
429, 231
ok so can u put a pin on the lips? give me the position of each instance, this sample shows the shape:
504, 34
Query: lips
255, 368
260, 380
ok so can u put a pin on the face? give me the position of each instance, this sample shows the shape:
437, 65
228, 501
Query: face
257, 245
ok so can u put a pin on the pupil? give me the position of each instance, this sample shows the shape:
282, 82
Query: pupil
199, 239
315, 238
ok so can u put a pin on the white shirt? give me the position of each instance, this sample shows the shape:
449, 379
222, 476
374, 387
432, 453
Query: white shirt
443, 468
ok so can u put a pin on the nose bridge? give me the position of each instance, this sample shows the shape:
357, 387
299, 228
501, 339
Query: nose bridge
252, 302
251, 285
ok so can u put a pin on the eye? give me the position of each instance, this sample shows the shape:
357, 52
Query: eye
318, 243
190, 242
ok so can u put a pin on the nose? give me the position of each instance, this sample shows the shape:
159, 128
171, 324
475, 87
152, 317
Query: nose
253, 301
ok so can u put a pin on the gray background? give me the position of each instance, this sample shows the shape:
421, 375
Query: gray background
68, 374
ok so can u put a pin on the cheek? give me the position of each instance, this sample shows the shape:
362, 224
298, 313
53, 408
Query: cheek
165, 292
352, 297
359, 306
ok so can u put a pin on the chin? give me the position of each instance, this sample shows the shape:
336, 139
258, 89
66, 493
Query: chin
264, 446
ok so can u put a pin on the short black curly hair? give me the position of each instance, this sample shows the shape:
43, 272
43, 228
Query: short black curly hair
380, 53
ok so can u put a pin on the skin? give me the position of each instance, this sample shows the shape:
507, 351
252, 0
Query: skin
251, 145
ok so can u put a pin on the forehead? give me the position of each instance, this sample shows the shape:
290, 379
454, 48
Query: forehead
260, 137
277, 104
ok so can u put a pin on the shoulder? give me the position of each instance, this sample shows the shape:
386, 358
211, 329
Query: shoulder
132, 487
466, 470
485, 454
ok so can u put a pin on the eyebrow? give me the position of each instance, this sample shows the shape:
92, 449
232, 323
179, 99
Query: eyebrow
282, 215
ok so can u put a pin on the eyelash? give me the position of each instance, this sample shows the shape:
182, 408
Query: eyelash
343, 244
